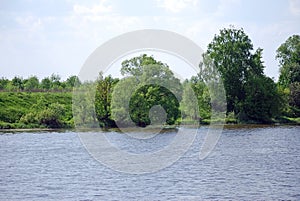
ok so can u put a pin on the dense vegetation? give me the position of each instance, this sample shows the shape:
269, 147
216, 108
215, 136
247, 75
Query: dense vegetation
35, 110
150, 92
33, 84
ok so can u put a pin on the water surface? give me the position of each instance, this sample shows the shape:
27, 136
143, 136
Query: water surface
248, 163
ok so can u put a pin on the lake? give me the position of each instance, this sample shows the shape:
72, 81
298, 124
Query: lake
248, 163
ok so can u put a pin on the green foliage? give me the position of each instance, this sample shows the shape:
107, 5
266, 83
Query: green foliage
46, 84
231, 52
72, 81
250, 94
150, 83
32, 110
151, 94
262, 101
4, 83
103, 100
17, 83
31, 83
196, 93
135, 66
294, 99
52, 116
84, 105
288, 55
148, 96
120, 100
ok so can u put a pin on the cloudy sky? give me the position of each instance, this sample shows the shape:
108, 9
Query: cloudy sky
41, 37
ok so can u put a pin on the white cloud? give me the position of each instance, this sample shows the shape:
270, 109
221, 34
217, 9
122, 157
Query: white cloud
99, 22
176, 6
294, 7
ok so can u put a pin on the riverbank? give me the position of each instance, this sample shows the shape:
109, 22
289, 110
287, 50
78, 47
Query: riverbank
53, 110
42, 110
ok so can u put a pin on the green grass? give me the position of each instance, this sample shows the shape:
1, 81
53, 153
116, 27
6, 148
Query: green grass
14, 105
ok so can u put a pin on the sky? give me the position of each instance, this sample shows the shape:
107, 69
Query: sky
41, 37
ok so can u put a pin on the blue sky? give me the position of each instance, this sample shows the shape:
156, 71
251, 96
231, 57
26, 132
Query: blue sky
41, 37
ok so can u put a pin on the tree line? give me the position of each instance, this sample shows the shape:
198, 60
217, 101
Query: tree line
251, 96
33, 84
150, 93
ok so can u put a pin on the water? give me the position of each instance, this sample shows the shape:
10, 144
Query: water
247, 164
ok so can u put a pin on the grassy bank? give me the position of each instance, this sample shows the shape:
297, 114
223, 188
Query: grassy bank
35, 110
27, 110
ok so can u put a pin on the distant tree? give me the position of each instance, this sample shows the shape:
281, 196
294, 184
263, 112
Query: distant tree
46, 84
135, 66
288, 55
4, 83
71, 81
17, 83
31, 83
55, 81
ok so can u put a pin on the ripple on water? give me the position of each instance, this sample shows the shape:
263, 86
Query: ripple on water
248, 163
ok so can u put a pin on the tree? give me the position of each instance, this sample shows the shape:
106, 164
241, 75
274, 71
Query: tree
46, 84
103, 97
250, 94
231, 52
31, 83
188, 103
4, 83
52, 116
196, 87
83, 106
294, 98
17, 83
71, 81
288, 55
135, 66
262, 101
120, 101
149, 83
148, 96
55, 81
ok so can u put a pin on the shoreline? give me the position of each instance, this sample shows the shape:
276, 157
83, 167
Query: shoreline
225, 126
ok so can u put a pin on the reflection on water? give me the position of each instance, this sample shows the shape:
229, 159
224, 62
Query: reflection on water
248, 163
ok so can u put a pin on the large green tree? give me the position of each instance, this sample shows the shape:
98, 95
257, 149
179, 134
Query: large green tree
148, 83
241, 69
